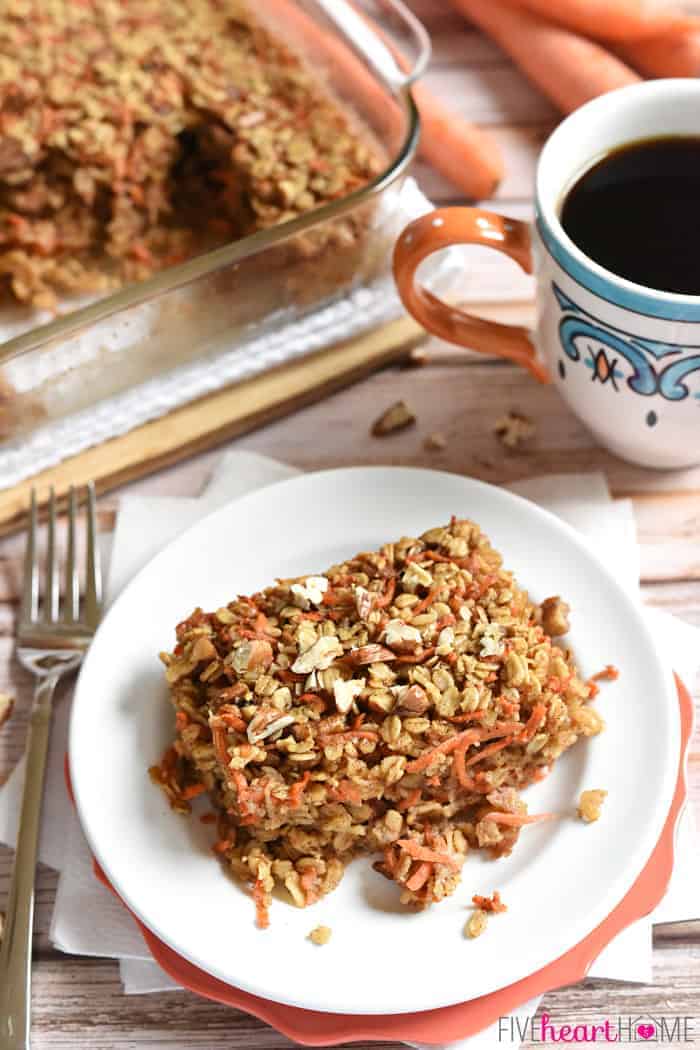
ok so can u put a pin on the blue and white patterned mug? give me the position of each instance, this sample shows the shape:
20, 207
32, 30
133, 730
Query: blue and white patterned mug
625, 358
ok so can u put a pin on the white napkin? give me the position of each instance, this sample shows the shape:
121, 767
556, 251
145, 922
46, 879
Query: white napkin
88, 921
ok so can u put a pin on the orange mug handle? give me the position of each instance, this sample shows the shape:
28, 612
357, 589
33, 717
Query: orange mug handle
441, 229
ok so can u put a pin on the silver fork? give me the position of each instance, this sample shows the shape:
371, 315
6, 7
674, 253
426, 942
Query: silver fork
50, 643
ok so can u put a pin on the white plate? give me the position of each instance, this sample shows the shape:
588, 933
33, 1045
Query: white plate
563, 877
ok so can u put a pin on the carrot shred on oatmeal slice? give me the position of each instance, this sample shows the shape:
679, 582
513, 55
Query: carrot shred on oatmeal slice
517, 820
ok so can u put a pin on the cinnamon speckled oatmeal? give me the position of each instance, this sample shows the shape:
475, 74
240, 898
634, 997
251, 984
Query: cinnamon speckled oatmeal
393, 706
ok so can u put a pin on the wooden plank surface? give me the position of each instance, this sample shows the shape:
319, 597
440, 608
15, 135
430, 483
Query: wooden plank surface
78, 1002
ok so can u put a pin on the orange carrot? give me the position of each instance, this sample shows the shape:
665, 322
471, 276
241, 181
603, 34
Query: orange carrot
418, 852
193, 791
409, 801
593, 688
490, 750
460, 767
492, 903
459, 150
614, 19
464, 153
428, 600
181, 721
516, 820
222, 845
466, 737
419, 877
568, 68
665, 56
297, 790
609, 674
346, 792
209, 818
533, 722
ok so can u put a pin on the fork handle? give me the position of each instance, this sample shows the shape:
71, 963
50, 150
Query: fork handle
16, 947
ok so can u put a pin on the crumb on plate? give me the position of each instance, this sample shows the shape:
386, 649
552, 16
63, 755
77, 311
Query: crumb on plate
555, 617
476, 924
590, 804
321, 935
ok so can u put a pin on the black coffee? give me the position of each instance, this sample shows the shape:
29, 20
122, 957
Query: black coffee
637, 213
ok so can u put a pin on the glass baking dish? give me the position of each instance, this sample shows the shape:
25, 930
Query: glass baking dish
145, 332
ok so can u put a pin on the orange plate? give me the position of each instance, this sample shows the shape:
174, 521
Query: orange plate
312, 1028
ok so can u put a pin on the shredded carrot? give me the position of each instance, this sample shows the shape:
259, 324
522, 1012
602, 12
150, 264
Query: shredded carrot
418, 852
305, 697
315, 616
472, 716
445, 621
222, 845
492, 903
516, 820
181, 721
593, 688
309, 881
428, 600
357, 722
419, 877
232, 719
346, 791
424, 760
262, 915
534, 721
297, 790
385, 599
460, 767
433, 781
409, 801
498, 745
193, 791
609, 673
209, 818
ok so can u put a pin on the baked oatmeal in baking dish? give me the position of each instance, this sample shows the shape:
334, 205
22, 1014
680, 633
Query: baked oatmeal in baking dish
135, 133
392, 706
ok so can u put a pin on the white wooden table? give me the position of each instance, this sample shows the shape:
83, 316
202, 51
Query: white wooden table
79, 1002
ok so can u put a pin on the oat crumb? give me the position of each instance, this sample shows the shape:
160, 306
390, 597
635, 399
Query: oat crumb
320, 935
396, 417
476, 924
435, 442
514, 429
590, 804
6, 706
493, 903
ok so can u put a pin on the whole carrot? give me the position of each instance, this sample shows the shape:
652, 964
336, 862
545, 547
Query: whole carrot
664, 56
459, 150
568, 68
613, 19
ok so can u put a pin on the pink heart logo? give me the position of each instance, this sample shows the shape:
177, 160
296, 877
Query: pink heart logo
646, 1031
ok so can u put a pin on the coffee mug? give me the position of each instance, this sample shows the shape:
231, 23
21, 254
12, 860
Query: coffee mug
625, 358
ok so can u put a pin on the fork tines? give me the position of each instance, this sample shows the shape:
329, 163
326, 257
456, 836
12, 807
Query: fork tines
72, 613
